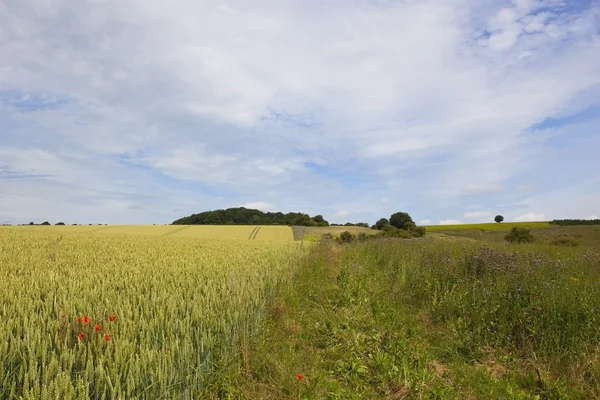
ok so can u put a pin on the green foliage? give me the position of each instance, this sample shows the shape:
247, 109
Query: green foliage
320, 220
570, 222
498, 218
420, 231
60, 223
390, 231
401, 220
45, 223
31, 223
362, 224
347, 237
519, 235
245, 216
381, 223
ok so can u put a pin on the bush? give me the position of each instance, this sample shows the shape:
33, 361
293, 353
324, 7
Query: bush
45, 223
499, 218
347, 237
60, 223
390, 231
420, 231
519, 235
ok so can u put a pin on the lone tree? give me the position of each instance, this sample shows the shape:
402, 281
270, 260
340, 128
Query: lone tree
45, 223
401, 220
382, 223
499, 218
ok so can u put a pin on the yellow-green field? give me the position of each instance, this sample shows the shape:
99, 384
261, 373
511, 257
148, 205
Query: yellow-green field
186, 308
504, 226
241, 232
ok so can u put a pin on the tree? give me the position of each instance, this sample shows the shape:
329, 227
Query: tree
382, 223
499, 218
400, 220
60, 223
45, 223
31, 223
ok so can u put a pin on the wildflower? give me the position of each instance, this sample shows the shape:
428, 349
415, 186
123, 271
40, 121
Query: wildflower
79, 319
107, 337
98, 328
86, 319
80, 336
299, 377
112, 318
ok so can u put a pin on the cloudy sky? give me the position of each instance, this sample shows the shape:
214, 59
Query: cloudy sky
144, 111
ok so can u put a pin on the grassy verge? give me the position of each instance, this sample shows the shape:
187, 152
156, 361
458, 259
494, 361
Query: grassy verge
432, 319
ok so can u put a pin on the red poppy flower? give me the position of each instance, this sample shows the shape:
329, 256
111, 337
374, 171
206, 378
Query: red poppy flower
112, 318
80, 336
86, 319
79, 319
299, 377
98, 328
107, 337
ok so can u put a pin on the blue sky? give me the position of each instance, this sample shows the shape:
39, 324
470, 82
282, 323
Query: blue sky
138, 111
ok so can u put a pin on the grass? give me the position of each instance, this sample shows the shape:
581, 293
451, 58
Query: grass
433, 319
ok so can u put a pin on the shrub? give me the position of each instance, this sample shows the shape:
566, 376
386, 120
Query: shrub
390, 231
347, 237
60, 223
362, 236
45, 223
419, 231
499, 218
519, 235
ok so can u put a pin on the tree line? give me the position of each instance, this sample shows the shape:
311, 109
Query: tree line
570, 222
247, 216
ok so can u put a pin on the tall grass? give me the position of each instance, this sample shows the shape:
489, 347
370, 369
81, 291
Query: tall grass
528, 298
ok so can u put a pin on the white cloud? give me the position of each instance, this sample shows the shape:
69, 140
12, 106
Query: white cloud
214, 104
341, 213
530, 217
259, 205
593, 217
476, 214
450, 222
425, 222
483, 188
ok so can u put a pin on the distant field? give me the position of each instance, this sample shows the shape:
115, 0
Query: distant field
504, 226
241, 232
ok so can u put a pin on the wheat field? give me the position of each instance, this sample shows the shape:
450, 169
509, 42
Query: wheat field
87, 314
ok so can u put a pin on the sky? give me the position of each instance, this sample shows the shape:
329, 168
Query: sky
145, 111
